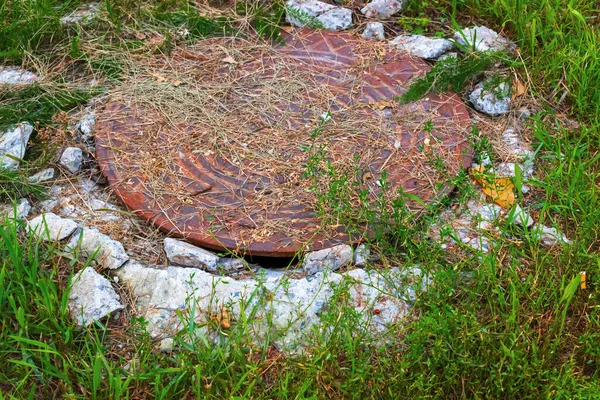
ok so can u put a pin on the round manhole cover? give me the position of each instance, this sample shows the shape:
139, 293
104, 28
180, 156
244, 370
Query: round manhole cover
224, 142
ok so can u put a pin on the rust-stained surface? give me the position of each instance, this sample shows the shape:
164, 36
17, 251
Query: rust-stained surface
239, 201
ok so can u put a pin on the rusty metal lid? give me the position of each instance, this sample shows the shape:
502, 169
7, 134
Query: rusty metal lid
221, 143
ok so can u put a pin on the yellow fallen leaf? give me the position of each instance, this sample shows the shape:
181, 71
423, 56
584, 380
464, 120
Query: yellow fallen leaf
223, 318
500, 190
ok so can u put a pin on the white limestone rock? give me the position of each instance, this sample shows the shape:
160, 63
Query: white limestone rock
330, 259
13, 142
374, 31
484, 211
549, 236
16, 76
91, 297
451, 54
521, 217
42, 176
483, 39
89, 242
84, 129
509, 169
231, 264
362, 253
382, 9
517, 148
86, 125
188, 255
71, 159
494, 101
19, 210
280, 307
301, 12
51, 227
82, 14
422, 46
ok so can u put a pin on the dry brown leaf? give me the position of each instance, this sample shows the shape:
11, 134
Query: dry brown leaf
382, 104
176, 83
159, 78
518, 88
229, 60
500, 190
287, 28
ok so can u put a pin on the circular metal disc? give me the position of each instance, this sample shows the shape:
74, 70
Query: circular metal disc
232, 179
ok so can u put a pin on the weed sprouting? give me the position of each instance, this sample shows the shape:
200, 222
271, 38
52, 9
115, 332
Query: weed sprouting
38, 103
450, 74
347, 198
14, 185
304, 18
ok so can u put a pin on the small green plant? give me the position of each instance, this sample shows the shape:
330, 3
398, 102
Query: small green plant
265, 18
366, 206
304, 18
37, 103
416, 25
450, 74
14, 185
188, 19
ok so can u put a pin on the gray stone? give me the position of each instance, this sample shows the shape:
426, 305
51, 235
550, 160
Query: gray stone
105, 210
549, 236
19, 210
188, 255
521, 217
13, 142
451, 54
374, 31
16, 76
508, 169
467, 227
483, 39
86, 124
480, 243
71, 159
514, 143
484, 211
362, 254
523, 114
82, 14
84, 129
300, 13
231, 264
89, 242
272, 305
494, 101
51, 227
330, 259
422, 46
42, 176
91, 297
166, 345
383, 8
